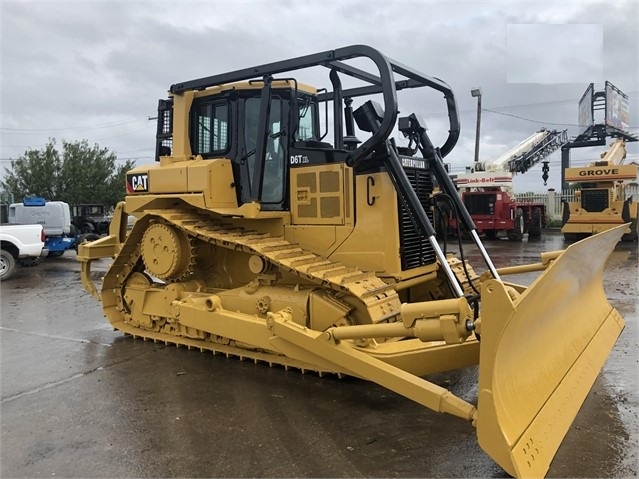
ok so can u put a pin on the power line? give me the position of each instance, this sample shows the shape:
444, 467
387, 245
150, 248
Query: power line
97, 140
544, 103
124, 134
73, 129
135, 151
537, 121
527, 119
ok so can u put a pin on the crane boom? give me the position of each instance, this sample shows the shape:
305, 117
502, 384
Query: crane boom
616, 155
526, 154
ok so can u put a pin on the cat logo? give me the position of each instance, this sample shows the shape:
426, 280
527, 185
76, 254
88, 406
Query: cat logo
137, 183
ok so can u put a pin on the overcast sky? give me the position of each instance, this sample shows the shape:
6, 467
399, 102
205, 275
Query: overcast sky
95, 70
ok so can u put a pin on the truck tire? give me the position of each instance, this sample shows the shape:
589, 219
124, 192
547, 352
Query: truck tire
7, 265
102, 228
517, 234
634, 232
534, 230
86, 228
92, 237
572, 237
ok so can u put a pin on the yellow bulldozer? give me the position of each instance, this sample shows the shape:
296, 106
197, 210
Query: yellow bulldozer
268, 230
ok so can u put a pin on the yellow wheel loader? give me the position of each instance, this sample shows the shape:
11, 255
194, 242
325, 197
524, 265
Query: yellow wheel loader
268, 230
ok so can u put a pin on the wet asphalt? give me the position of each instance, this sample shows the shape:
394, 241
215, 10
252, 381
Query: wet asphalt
80, 400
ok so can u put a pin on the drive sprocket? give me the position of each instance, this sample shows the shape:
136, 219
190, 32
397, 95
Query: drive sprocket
166, 252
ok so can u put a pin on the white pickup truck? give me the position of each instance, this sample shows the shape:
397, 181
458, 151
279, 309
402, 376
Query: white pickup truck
19, 243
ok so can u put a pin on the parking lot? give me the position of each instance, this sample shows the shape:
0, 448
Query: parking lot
80, 400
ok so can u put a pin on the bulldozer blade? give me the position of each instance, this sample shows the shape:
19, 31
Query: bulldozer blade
540, 354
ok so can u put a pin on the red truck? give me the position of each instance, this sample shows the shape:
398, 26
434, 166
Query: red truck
494, 210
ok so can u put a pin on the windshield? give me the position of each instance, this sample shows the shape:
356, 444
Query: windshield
273, 184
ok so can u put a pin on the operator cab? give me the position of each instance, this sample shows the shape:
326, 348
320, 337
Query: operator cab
263, 127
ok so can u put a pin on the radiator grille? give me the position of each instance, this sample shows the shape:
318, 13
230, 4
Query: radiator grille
416, 250
480, 204
594, 201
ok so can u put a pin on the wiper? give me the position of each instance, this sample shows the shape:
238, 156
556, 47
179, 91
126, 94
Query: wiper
272, 136
252, 152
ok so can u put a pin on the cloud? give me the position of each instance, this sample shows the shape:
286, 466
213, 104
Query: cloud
95, 70
546, 53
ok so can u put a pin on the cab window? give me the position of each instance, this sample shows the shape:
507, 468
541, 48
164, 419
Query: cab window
211, 129
306, 126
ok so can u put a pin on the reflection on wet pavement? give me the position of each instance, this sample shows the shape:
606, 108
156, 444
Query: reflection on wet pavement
79, 400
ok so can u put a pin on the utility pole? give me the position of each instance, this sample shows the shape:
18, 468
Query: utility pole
476, 92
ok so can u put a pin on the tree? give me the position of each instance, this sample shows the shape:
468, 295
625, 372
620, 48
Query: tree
82, 174
34, 174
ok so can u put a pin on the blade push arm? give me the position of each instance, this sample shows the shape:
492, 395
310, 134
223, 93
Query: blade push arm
412, 126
